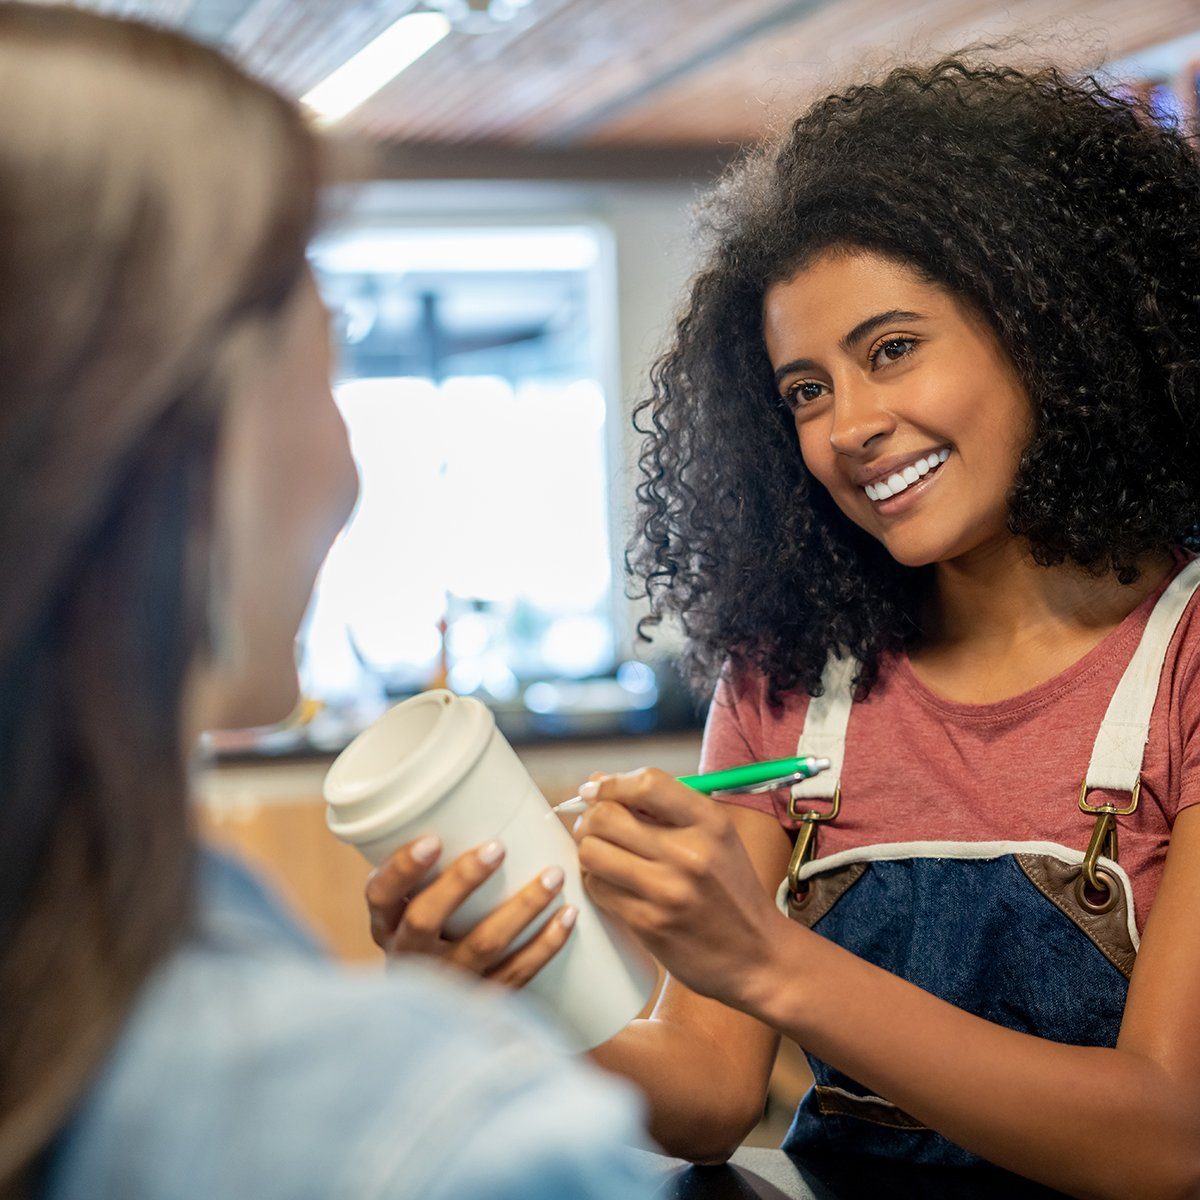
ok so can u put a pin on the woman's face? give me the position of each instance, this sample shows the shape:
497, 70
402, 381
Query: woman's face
286, 484
894, 381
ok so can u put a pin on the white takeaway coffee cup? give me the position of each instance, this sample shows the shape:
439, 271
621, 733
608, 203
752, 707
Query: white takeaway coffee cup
437, 764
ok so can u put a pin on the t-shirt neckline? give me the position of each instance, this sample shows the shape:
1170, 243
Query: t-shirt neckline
1113, 642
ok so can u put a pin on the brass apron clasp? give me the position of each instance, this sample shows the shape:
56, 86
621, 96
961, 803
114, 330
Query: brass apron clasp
805, 848
1093, 878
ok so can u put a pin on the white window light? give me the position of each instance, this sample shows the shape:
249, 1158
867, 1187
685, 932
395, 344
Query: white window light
399, 251
377, 63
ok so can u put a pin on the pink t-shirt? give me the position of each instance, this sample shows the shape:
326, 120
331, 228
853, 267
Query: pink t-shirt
920, 767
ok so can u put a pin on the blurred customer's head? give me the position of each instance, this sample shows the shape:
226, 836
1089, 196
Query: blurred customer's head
173, 470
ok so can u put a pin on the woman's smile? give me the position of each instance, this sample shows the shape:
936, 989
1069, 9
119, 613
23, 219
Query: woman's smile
888, 481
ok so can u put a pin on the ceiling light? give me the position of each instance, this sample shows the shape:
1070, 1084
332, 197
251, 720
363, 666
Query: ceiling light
377, 63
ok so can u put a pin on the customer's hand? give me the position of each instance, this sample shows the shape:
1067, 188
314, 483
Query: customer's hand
409, 919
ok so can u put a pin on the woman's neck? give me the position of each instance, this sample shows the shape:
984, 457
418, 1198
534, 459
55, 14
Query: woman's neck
997, 599
997, 624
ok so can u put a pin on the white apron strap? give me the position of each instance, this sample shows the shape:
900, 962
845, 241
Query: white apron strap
1117, 755
824, 733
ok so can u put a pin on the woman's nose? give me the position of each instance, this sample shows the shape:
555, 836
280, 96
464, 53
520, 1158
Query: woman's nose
859, 416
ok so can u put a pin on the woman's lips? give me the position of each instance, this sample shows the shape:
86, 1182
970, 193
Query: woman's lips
911, 494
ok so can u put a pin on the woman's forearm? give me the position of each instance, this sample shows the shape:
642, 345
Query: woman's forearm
696, 1109
1093, 1122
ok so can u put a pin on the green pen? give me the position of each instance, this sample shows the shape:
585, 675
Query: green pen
739, 781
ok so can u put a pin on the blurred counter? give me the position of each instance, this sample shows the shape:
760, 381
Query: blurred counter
272, 814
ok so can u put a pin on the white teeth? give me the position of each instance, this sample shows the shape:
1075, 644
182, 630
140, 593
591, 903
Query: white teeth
885, 490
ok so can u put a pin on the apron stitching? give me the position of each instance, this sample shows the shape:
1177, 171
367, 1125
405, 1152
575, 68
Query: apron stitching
828, 1106
1100, 945
968, 852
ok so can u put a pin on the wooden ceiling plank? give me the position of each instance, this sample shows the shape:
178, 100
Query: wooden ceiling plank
766, 26
715, 104
567, 65
739, 93
463, 70
569, 58
645, 72
662, 50
655, 43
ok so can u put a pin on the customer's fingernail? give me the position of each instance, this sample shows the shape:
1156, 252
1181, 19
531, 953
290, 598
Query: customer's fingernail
589, 790
425, 850
566, 918
491, 853
552, 878
578, 822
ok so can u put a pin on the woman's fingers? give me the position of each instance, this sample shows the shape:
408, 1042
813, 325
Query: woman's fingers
640, 915
390, 886
405, 920
651, 793
600, 859
614, 823
488, 943
420, 928
523, 964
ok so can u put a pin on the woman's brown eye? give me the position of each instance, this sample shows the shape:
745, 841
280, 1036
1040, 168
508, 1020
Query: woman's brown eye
893, 349
803, 393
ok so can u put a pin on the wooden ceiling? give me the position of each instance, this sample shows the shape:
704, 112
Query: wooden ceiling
621, 75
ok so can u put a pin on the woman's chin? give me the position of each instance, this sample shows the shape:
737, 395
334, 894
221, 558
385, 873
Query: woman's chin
251, 700
264, 706
916, 551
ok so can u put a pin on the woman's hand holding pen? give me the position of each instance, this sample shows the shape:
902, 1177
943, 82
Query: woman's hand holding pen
678, 875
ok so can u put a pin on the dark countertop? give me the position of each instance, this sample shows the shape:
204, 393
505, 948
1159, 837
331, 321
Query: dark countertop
757, 1174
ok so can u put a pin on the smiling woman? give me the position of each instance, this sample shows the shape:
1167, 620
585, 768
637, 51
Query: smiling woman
920, 476
1067, 278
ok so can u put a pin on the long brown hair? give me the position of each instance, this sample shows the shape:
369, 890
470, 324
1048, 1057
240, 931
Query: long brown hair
155, 204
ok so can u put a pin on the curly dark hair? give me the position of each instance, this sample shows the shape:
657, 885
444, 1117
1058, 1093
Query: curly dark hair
1058, 210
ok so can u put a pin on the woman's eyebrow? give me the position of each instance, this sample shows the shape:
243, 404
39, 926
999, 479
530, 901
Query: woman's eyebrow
797, 364
863, 328
860, 331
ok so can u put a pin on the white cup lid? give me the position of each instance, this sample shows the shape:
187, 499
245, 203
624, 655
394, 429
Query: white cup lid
405, 762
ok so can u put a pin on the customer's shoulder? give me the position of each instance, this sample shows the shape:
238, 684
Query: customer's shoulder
252, 1067
250, 994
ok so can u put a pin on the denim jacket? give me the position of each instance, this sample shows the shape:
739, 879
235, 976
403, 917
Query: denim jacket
254, 1069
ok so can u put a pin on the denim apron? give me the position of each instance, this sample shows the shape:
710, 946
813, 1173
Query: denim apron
1035, 936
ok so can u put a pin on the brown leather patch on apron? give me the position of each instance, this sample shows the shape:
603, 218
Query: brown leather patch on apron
834, 1102
823, 892
1109, 932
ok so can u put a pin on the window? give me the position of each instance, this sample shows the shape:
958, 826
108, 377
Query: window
471, 380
